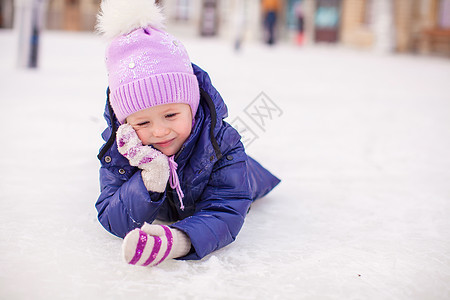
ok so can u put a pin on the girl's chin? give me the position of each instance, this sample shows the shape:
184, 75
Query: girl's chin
167, 152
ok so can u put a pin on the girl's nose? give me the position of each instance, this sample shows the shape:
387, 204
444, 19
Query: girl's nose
160, 131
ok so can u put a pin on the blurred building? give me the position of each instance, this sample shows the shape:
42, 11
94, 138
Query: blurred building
75, 15
6, 13
420, 26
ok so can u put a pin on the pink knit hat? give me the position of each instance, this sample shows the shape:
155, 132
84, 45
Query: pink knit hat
146, 65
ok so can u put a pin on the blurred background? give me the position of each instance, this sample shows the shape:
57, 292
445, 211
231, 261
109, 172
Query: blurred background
404, 26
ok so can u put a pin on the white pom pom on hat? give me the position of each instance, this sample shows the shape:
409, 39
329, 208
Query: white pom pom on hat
119, 17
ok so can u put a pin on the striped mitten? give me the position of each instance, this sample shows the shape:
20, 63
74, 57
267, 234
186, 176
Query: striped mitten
153, 244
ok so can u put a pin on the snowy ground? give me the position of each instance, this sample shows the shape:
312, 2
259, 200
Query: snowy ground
361, 146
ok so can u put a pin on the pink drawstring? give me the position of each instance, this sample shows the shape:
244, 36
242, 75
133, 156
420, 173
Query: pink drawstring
174, 180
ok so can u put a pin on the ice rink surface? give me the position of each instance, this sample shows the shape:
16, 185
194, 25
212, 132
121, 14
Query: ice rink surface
360, 140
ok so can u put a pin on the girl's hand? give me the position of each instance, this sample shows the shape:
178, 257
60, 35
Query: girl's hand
153, 244
153, 163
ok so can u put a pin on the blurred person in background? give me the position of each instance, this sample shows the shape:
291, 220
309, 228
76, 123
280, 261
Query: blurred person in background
270, 10
300, 22
240, 23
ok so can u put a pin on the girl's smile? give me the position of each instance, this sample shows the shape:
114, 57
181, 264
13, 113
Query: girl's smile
165, 144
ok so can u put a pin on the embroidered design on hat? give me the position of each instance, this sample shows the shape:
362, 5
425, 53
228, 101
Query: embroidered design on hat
136, 66
174, 46
188, 65
128, 39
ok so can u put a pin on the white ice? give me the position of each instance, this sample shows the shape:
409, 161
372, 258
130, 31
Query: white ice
362, 148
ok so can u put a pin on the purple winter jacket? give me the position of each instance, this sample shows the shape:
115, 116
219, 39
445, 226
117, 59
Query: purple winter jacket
218, 179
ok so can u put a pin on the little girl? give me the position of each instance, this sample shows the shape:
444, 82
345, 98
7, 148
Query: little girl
168, 153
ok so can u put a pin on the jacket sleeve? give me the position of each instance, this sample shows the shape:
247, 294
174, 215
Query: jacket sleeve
124, 202
220, 213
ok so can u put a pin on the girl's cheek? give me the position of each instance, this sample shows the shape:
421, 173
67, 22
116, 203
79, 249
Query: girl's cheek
141, 136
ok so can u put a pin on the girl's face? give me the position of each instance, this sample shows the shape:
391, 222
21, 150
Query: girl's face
165, 127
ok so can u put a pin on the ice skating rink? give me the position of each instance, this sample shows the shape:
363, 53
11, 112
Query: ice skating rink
360, 140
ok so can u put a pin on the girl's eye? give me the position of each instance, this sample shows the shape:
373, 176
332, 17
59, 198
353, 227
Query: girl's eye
143, 123
171, 115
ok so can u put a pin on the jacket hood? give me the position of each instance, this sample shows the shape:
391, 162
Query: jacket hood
205, 84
